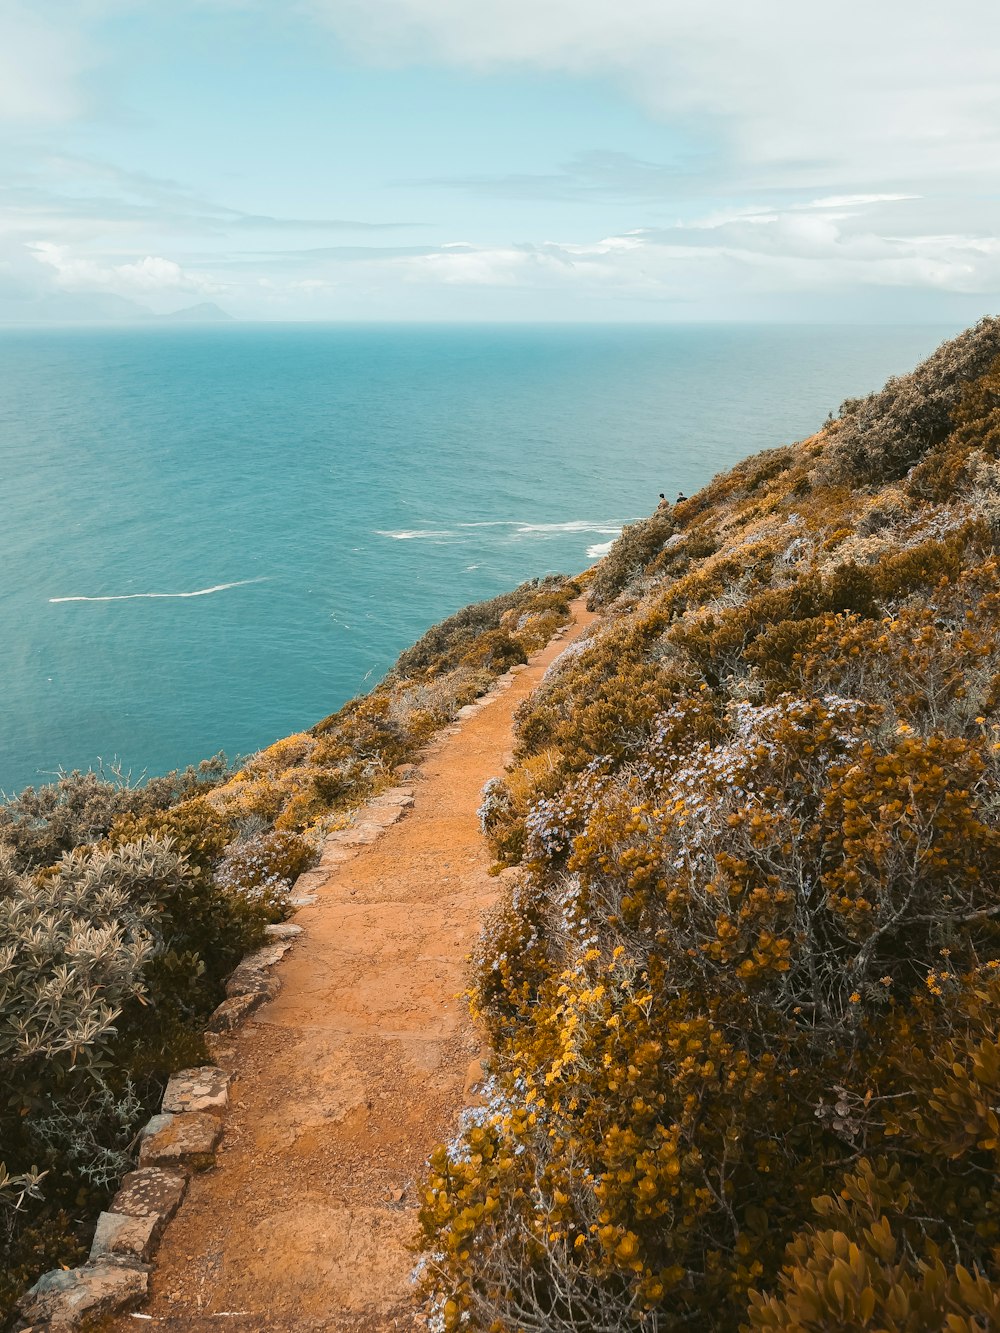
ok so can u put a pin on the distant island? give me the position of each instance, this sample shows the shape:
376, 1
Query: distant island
205, 312
62, 308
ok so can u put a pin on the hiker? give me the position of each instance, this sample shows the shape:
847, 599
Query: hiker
664, 503
681, 497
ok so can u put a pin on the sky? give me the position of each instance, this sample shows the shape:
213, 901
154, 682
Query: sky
593, 160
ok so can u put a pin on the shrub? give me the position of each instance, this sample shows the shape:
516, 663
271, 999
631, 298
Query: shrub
265, 867
858, 1272
42, 823
446, 644
638, 544
496, 650
73, 948
742, 994
880, 437
77, 954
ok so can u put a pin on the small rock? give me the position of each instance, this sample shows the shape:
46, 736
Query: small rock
521, 666
382, 815
126, 1237
303, 900
252, 977
231, 1013
333, 857
250, 980
268, 955
310, 880
356, 836
219, 1046
187, 1140
202, 1089
282, 930
469, 710
65, 1297
401, 796
152, 1191
475, 1079
404, 771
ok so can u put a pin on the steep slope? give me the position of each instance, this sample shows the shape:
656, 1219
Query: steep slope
743, 1001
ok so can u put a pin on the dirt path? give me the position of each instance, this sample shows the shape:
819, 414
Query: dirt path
349, 1077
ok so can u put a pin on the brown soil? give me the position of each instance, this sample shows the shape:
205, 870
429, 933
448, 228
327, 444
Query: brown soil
345, 1082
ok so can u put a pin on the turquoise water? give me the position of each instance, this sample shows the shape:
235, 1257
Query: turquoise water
329, 492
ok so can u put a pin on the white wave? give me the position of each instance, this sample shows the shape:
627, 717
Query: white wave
518, 528
492, 523
601, 548
604, 528
134, 596
578, 525
409, 534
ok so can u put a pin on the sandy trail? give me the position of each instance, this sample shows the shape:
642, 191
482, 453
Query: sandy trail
349, 1077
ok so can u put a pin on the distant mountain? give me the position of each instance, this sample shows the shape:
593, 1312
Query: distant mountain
101, 308
74, 308
206, 312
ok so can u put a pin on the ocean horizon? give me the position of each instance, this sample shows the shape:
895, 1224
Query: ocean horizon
215, 535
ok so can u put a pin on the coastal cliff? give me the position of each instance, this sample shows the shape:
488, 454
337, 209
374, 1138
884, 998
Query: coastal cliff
743, 999
741, 989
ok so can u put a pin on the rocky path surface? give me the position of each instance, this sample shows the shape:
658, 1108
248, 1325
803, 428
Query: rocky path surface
345, 1081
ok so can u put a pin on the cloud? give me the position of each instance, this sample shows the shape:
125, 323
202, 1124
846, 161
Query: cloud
597, 174
44, 54
72, 194
150, 275
816, 151
853, 92
792, 251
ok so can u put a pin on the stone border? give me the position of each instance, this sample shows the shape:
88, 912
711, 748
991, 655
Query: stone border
183, 1137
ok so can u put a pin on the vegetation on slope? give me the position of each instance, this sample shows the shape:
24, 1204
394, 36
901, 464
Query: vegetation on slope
743, 998
124, 908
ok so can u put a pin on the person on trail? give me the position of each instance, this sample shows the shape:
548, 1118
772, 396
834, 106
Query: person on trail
681, 497
664, 502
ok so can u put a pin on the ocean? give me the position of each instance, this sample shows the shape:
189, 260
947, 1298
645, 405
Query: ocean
213, 537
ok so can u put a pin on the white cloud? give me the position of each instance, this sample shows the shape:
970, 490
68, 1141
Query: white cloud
786, 252
846, 147
854, 92
857, 200
151, 275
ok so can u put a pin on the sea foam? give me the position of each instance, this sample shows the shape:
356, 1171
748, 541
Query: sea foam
411, 534
601, 548
136, 596
518, 528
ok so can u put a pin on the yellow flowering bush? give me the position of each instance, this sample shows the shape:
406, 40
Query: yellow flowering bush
742, 991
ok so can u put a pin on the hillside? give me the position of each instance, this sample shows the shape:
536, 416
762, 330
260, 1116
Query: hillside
743, 998
741, 986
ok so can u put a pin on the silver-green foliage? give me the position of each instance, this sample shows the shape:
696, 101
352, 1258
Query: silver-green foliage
73, 945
